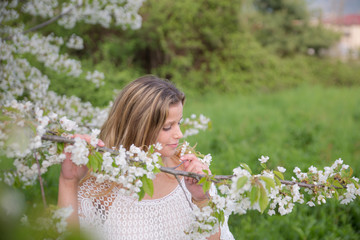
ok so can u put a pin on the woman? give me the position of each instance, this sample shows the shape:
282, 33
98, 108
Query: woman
147, 111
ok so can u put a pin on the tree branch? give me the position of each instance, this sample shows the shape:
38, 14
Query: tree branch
177, 178
173, 171
41, 182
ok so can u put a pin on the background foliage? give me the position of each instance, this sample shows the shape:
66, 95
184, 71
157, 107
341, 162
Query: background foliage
243, 64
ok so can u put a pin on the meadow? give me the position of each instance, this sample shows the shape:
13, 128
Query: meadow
303, 126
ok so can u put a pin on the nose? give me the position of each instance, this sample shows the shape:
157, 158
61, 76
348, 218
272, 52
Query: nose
178, 134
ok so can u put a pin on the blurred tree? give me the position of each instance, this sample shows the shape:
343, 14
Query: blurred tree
285, 27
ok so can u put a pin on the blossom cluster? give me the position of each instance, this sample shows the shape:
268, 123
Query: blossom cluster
134, 169
192, 126
185, 148
268, 191
21, 138
204, 223
53, 220
21, 80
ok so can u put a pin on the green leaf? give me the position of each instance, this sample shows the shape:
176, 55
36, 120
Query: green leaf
351, 172
148, 185
246, 167
337, 184
151, 149
279, 175
141, 194
336, 194
241, 182
254, 194
263, 165
206, 186
220, 216
277, 181
269, 182
263, 201
202, 180
99, 158
156, 170
161, 162
206, 171
355, 183
60, 147
93, 163
344, 174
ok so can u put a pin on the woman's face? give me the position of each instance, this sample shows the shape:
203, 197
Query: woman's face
170, 134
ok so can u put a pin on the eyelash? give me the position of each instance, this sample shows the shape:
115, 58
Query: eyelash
167, 129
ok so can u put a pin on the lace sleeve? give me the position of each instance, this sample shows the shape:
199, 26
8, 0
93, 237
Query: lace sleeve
94, 201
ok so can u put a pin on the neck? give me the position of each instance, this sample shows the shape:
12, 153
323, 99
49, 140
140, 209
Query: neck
170, 161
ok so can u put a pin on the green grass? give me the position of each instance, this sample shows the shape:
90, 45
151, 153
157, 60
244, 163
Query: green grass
309, 125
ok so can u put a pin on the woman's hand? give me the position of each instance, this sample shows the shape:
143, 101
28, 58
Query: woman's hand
72, 172
69, 170
193, 164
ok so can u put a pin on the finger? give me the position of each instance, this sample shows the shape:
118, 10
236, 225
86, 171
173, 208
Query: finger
196, 167
87, 138
82, 136
189, 157
101, 143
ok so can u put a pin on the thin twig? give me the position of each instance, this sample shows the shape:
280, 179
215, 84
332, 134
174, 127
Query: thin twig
187, 199
41, 25
41, 182
178, 165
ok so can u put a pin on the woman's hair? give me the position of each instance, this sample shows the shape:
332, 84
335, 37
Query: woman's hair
139, 112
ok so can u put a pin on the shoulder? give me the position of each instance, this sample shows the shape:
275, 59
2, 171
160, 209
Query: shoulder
90, 188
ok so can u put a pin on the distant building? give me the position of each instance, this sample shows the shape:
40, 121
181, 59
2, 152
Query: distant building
349, 45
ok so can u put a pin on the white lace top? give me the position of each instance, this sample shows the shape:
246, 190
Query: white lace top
109, 215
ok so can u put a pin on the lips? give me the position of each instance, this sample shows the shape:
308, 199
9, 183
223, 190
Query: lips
174, 145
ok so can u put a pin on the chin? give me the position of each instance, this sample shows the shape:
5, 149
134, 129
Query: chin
167, 152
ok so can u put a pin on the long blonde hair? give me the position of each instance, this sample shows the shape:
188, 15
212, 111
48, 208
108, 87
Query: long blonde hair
139, 112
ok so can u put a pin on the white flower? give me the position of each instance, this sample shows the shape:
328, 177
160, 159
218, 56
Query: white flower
344, 167
67, 124
134, 149
62, 214
281, 169
310, 203
52, 116
313, 169
263, 159
96, 77
93, 137
207, 159
24, 220
158, 146
79, 152
75, 42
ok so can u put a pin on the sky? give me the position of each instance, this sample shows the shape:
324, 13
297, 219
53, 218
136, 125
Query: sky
330, 6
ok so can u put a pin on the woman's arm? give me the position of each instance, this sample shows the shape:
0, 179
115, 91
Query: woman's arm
70, 177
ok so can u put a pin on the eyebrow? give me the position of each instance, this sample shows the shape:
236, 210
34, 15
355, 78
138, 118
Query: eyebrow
172, 122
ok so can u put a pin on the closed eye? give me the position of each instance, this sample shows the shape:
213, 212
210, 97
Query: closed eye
167, 128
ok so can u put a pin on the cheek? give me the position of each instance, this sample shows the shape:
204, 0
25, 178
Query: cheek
162, 137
